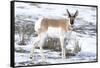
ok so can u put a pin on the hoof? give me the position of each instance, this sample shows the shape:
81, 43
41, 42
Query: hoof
31, 57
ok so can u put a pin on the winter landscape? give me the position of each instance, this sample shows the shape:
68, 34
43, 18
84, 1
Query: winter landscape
83, 38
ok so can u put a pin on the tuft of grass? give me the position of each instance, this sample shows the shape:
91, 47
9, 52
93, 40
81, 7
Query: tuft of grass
21, 50
52, 44
77, 48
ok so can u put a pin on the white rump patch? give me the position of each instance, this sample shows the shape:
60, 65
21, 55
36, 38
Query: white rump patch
38, 23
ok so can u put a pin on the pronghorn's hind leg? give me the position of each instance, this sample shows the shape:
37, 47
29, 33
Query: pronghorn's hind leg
41, 43
34, 44
31, 53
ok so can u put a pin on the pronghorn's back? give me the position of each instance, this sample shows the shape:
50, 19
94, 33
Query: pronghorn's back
43, 24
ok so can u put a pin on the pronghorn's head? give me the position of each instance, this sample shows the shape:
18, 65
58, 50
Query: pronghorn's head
72, 17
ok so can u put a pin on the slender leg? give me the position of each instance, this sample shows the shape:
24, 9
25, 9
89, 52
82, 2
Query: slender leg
42, 40
32, 50
62, 47
42, 55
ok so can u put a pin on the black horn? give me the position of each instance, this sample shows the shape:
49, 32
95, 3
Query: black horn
69, 15
76, 13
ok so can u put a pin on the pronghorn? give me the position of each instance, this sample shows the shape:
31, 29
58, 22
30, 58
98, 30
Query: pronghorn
63, 24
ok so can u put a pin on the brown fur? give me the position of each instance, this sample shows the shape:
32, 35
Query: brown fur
64, 24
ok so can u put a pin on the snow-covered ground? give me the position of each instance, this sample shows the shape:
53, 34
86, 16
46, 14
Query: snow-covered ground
86, 35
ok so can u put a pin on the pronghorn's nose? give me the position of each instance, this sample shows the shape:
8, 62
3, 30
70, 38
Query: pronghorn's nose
72, 26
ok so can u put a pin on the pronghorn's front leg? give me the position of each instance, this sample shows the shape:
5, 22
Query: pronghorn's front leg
62, 46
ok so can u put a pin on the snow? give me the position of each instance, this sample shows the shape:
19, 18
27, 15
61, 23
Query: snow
88, 47
87, 42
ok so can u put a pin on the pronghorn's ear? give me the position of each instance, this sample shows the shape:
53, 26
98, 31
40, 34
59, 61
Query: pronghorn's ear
76, 13
69, 15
